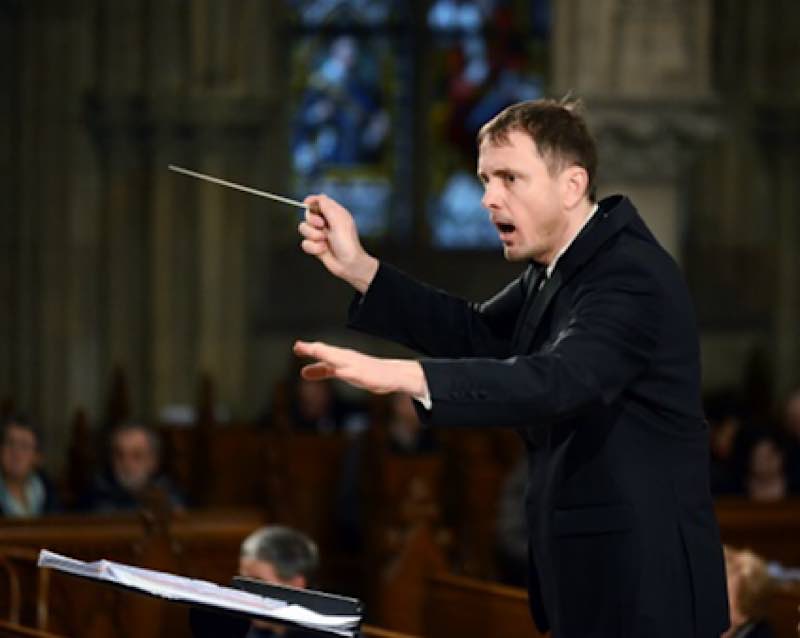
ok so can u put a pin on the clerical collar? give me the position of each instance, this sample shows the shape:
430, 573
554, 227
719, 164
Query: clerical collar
552, 265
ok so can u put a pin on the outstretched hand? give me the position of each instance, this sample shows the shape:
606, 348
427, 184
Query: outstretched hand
380, 376
330, 234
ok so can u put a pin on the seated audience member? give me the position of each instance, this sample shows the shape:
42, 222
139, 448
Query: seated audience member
24, 490
133, 472
406, 434
766, 480
281, 556
727, 442
316, 408
749, 589
791, 423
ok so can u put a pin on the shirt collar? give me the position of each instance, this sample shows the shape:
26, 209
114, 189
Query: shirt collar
552, 265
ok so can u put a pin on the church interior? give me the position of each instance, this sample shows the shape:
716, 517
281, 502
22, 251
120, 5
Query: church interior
148, 317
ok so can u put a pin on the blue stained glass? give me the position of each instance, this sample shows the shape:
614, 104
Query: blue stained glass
343, 89
354, 104
461, 220
487, 55
340, 118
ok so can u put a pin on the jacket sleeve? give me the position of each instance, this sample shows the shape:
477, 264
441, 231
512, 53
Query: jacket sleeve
434, 323
607, 341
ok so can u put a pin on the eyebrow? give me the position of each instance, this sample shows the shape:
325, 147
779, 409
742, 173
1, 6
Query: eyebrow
497, 172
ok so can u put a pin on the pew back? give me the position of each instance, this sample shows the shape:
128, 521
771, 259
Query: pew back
769, 529
469, 608
198, 544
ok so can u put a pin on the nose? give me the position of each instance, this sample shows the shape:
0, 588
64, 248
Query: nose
491, 198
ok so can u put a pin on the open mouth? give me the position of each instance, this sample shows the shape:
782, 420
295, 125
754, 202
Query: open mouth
504, 228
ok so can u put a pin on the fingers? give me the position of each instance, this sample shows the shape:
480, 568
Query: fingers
318, 372
329, 211
304, 349
314, 248
321, 351
315, 218
309, 231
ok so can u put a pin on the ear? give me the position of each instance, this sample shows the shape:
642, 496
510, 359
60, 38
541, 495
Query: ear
574, 183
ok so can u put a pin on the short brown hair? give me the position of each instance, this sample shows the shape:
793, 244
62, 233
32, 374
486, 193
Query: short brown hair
556, 127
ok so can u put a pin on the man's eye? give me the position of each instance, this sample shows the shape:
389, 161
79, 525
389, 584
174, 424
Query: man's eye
510, 178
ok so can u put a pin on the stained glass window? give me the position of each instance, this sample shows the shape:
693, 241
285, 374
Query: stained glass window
346, 85
486, 55
388, 96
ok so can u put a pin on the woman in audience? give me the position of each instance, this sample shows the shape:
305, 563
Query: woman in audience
727, 438
24, 490
766, 479
749, 590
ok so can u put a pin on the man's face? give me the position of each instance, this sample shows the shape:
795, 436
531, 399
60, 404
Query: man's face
525, 202
133, 459
19, 455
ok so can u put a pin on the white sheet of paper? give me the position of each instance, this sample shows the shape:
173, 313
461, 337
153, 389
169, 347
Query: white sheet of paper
191, 590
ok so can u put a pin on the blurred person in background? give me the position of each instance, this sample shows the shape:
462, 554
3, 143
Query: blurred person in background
749, 590
24, 489
726, 438
766, 479
315, 407
133, 473
280, 556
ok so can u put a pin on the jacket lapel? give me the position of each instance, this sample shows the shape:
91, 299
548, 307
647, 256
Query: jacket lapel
614, 214
534, 311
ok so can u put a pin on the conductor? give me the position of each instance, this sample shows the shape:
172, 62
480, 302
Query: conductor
592, 354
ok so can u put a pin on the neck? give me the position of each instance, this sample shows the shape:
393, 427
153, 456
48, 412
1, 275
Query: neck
576, 219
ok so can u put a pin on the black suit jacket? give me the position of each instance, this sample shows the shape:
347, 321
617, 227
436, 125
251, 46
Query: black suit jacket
599, 370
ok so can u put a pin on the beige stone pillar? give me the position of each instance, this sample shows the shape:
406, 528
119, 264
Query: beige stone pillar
643, 69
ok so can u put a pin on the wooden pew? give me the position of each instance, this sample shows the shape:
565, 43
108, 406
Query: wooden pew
371, 631
219, 466
28, 599
399, 593
197, 544
470, 608
478, 462
9, 629
769, 529
465, 607
783, 613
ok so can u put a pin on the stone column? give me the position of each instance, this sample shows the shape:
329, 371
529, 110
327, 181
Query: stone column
10, 151
643, 69
60, 326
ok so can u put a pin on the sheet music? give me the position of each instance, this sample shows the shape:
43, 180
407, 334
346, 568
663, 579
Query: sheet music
191, 590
